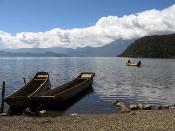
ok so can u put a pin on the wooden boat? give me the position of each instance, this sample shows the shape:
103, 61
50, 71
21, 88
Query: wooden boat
138, 64
21, 97
66, 91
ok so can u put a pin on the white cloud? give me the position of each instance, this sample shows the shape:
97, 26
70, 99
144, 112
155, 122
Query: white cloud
106, 29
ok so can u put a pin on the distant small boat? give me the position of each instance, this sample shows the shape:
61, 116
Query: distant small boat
21, 97
138, 64
66, 91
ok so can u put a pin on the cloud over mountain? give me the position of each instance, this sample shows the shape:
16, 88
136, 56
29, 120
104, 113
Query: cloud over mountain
106, 29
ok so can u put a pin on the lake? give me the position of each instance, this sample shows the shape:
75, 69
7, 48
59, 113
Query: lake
153, 83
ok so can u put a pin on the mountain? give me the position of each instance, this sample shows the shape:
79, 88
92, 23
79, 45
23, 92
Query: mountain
59, 50
157, 46
108, 50
17, 54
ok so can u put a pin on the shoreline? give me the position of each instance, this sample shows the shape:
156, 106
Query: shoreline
135, 120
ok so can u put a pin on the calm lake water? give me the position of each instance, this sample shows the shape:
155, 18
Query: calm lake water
153, 83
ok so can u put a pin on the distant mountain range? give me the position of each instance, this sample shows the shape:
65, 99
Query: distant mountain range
157, 46
110, 50
18, 54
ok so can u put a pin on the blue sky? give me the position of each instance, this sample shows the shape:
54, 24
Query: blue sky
81, 23
42, 15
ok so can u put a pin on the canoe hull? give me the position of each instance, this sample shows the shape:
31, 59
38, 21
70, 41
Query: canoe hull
133, 64
22, 98
73, 92
17, 102
65, 95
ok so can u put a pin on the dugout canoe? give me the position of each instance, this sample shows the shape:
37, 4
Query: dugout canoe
66, 91
21, 98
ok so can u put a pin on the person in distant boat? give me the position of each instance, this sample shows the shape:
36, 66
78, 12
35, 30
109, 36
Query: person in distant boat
129, 61
139, 63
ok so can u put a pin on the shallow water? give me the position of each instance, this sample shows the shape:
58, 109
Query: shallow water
153, 83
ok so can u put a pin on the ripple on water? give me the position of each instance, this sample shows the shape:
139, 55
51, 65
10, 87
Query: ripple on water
152, 83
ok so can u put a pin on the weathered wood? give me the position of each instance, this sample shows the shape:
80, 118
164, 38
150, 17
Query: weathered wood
21, 97
66, 91
2, 102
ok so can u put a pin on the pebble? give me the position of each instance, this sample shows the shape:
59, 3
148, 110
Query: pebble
147, 107
158, 107
122, 106
28, 111
43, 113
172, 107
134, 107
140, 106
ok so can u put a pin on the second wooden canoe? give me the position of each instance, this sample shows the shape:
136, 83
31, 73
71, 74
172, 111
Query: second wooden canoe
66, 91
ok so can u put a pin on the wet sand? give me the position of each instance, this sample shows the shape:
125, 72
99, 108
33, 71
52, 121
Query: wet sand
138, 120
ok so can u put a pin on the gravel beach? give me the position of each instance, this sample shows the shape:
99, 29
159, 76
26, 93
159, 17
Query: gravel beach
138, 120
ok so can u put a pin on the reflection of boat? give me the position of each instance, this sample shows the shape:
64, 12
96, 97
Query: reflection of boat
66, 91
129, 63
62, 108
21, 97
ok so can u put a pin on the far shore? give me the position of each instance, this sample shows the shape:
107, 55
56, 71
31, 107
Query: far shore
132, 121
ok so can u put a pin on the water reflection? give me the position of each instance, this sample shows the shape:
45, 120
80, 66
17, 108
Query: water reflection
60, 109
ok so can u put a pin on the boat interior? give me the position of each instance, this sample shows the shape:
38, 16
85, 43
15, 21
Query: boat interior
62, 87
31, 86
82, 77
